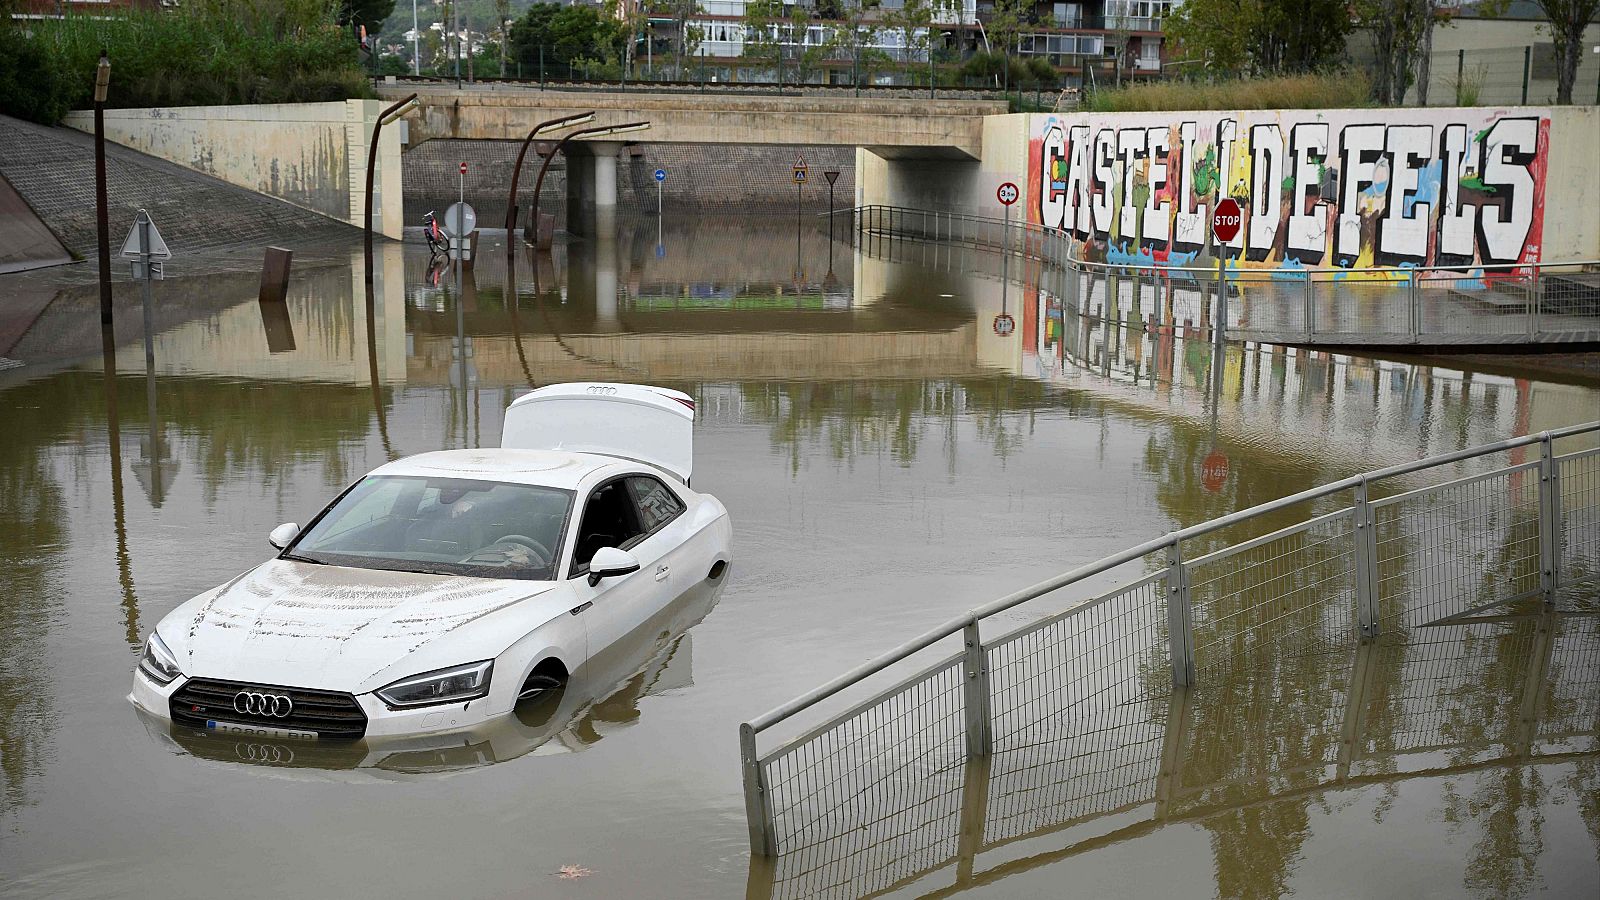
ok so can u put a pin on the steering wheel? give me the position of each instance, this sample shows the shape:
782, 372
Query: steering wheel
545, 557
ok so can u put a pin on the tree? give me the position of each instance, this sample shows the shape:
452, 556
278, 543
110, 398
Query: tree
502, 21
1396, 28
1568, 19
1261, 37
564, 38
763, 34
370, 13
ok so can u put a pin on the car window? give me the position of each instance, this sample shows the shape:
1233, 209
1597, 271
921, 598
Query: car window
610, 519
443, 526
658, 505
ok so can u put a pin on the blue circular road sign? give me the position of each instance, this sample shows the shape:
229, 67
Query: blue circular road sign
661, 174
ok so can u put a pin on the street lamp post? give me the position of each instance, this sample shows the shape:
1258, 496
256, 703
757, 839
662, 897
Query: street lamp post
416, 57
102, 83
599, 131
516, 173
388, 115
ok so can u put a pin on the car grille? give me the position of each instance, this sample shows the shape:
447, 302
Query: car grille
330, 714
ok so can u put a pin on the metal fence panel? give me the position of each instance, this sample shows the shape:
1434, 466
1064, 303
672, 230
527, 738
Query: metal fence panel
1292, 590
1578, 478
1457, 547
1065, 691
874, 795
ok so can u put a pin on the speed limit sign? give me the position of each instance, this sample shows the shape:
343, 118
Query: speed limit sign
1007, 194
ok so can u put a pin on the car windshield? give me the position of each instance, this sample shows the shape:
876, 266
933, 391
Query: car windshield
442, 526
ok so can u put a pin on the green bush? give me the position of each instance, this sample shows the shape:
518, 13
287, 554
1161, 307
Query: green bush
207, 52
1330, 90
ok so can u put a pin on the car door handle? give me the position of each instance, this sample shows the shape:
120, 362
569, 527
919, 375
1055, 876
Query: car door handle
661, 573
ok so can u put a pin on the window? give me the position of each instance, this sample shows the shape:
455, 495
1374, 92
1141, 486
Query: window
442, 526
610, 519
658, 505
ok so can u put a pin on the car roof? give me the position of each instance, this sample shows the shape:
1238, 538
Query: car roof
547, 468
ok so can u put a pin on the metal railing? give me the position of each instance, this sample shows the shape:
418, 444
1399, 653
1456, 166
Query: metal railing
1381, 553
1423, 305
1458, 698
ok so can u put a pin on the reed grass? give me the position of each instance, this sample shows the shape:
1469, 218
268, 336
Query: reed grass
207, 52
1331, 90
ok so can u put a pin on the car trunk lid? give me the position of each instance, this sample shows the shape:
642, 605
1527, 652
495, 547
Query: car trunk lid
639, 422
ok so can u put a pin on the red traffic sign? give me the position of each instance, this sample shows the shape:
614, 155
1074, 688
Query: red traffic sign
1214, 469
463, 168
1007, 194
1225, 221
1004, 325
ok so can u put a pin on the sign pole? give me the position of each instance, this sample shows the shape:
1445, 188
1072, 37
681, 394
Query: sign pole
1222, 295
1007, 193
1225, 223
145, 256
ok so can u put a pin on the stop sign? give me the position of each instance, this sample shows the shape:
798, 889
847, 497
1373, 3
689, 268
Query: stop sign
1225, 221
1214, 469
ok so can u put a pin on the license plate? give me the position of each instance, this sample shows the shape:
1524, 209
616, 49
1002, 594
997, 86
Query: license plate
260, 730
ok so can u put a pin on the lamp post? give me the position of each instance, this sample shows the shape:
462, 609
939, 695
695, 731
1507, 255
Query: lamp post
600, 131
416, 57
516, 173
102, 83
388, 115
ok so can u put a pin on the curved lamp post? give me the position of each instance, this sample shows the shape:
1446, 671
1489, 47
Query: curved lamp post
388, 115
583, 118
600, 131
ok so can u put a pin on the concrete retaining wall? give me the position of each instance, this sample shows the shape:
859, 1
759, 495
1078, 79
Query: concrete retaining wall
313, 155
703, 178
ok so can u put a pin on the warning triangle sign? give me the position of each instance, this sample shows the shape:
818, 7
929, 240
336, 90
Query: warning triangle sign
158, 247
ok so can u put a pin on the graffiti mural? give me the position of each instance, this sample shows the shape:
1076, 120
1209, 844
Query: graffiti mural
1337, 188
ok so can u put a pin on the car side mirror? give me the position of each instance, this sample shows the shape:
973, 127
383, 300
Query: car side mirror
609, 562
281, 536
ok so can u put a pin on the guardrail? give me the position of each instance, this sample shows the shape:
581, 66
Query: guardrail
1382, 553
1510, 303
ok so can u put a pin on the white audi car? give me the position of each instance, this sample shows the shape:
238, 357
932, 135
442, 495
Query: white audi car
439, 590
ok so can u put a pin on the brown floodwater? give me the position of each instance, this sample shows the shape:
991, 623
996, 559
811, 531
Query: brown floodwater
899, 436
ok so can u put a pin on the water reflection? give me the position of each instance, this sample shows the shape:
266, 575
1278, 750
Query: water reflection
890, 457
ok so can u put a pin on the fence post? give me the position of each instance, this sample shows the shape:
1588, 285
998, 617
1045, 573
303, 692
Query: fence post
1310, 307
1180, 627
1366, 567
1461, 71
1527, 70
1549, 519
975, 691
1414, 309
757, 804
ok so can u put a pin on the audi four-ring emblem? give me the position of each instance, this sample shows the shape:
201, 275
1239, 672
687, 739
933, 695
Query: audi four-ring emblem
251, 703
604, 389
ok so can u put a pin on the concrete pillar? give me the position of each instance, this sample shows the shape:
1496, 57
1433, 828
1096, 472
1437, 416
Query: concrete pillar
605, 173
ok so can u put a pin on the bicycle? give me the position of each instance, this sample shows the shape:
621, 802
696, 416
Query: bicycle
436, 239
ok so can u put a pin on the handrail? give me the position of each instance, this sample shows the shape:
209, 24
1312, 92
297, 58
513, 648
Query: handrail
1389, 272
923, 641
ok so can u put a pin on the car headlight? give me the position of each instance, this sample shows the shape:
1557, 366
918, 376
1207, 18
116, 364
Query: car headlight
158, 664
456, 684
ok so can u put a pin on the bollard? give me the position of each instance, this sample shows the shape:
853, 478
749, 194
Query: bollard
275, 321
275, 275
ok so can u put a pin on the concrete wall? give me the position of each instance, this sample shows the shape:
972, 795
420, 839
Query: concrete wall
1358, 187
313, 155
956, 185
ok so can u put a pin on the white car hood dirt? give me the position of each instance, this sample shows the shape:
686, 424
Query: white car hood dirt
329, 627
